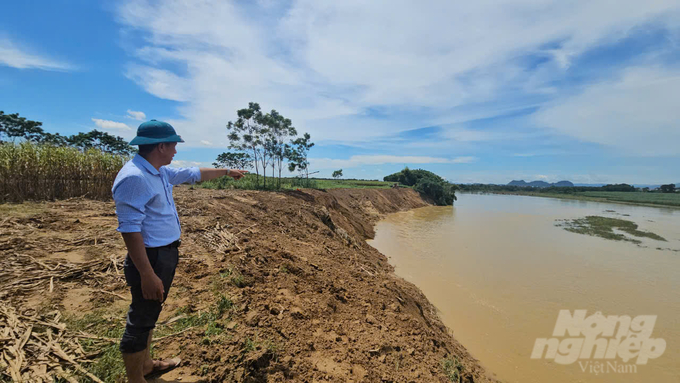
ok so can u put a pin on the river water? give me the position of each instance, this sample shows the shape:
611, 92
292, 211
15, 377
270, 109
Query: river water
499, 271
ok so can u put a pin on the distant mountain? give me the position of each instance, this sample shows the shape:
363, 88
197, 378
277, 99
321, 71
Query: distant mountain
539, 184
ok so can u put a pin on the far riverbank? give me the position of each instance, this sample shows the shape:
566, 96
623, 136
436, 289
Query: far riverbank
670, 200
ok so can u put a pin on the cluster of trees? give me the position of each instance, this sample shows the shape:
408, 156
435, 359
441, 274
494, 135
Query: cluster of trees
668, 188
13, 128
262, 140
427, 183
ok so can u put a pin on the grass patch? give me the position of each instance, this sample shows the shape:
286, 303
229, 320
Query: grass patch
109, 365
221, 306
272, 347
453, 369
249, 345
603, 227
234, 277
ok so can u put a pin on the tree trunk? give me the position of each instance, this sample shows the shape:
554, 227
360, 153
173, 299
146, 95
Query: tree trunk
264, 170
257, 170
280, 163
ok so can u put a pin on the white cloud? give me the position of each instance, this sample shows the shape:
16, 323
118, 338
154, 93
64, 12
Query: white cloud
206, 143
356, 161
525, 155
139, 116
324, 64
635, 114
16, 57
110, 125
464, 160
188, 164
161, 83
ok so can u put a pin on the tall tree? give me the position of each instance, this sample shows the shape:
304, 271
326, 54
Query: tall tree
668, 188
247, 135
280, 128
12, 127
234, 160
102, 141
337, 174
296, 153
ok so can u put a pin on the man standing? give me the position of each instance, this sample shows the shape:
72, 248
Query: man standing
150, 227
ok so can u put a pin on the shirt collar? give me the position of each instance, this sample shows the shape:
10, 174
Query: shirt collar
141, 161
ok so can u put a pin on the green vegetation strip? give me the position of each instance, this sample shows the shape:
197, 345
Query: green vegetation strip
603, 227
249, 182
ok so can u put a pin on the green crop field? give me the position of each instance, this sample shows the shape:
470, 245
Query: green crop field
670, 199
334, 184
250, 182
641, 198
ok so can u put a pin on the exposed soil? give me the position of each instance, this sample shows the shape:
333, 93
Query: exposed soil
314, 302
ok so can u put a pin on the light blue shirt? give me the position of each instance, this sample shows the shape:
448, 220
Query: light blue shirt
144, 202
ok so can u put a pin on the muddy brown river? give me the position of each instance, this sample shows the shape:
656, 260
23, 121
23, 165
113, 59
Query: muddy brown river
499, 271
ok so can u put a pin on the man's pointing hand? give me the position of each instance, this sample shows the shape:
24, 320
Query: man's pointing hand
237, 174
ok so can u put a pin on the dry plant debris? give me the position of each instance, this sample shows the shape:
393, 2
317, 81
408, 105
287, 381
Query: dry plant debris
38, 348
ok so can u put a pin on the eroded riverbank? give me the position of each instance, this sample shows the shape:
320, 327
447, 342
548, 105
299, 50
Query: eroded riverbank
271, 287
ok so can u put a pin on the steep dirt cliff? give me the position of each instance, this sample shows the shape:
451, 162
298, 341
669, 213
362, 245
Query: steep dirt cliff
301, 295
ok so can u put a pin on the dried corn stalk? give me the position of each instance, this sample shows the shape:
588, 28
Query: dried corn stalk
22, 273
39, 348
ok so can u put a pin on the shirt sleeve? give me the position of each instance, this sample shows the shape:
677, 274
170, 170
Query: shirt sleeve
131, 196
178, 176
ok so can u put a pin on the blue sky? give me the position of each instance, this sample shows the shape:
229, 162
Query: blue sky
484, 92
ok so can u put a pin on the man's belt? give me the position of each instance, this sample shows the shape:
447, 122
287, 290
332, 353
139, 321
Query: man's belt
173, 245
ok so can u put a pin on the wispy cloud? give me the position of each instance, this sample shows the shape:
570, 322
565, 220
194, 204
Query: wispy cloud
159, 82
325, 64
20, 57
139, 116
188, 164
464, 160
635, 114
362, 160
110, 125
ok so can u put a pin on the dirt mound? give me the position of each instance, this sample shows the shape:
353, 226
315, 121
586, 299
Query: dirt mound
280, 286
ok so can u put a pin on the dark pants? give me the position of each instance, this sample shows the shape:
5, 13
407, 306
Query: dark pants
143, 313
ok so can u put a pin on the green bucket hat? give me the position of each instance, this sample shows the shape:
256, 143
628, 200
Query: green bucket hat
155, 132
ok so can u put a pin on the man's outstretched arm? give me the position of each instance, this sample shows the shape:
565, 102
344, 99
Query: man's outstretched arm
210, 173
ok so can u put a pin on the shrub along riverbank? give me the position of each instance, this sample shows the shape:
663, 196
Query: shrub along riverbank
428, 184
